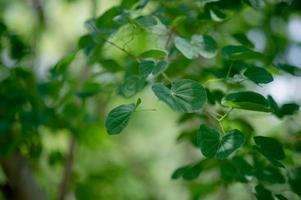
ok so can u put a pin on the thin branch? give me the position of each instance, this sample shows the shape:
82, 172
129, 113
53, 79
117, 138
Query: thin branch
65, 182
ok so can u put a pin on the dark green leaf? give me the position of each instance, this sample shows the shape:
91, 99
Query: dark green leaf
262, 193
211, 144
294, 179
242, 38
208, 140
293, 70
184, 96
118, 118
270, 148
258, 75
229, 143
111, 65
247, 100
146, 67
188, 172
236, 52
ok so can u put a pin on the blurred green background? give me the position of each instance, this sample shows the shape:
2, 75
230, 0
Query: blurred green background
138, 163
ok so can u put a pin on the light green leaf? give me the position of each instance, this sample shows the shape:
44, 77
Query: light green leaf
247, 100
183, 96
203, 45
258, 75
119, 117
154, 53
147, 20
212, 145
236, 52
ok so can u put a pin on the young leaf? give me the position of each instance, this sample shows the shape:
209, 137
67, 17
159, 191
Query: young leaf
246, 100
118, 118
211, 144
258, 75
154, 53
184, 96
236, 52
203, 45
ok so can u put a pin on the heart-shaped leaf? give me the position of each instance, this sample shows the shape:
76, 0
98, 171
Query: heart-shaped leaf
119, 117
183, 96
247, 100
203, 45
212, 145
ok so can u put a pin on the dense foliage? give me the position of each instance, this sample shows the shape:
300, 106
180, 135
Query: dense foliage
196, 57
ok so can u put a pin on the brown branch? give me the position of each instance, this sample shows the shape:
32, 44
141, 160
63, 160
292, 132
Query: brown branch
65, 182
20, 179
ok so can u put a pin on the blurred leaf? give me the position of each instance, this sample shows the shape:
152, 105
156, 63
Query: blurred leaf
89, 89
242, 38
293, 70
258, 75
147, 20
154, 53
246, 100
203, 45
118, 118
184, 96
262, 193
236, 52
146, 67
188, 172
270, 148
159, 67
294, 180
61, 66
131, 86
111, 65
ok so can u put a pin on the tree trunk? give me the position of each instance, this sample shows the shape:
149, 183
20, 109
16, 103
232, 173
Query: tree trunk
20, 181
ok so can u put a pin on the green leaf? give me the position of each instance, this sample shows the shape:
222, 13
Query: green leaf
269, 174
183, 96
285, 109
208, 140
270, 148
256, 4
118, 118
294, 180
262, 193
147, 20
242, 38
154, 53
236, 52
188, 172
203, 45
247, 100
229, 143
258, 75
291, 69
89, 89
62, 65
132, 85
111, 65
146, 67
159, 67
211, 144
280, 197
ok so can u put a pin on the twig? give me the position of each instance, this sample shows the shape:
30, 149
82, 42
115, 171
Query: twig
65, 182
